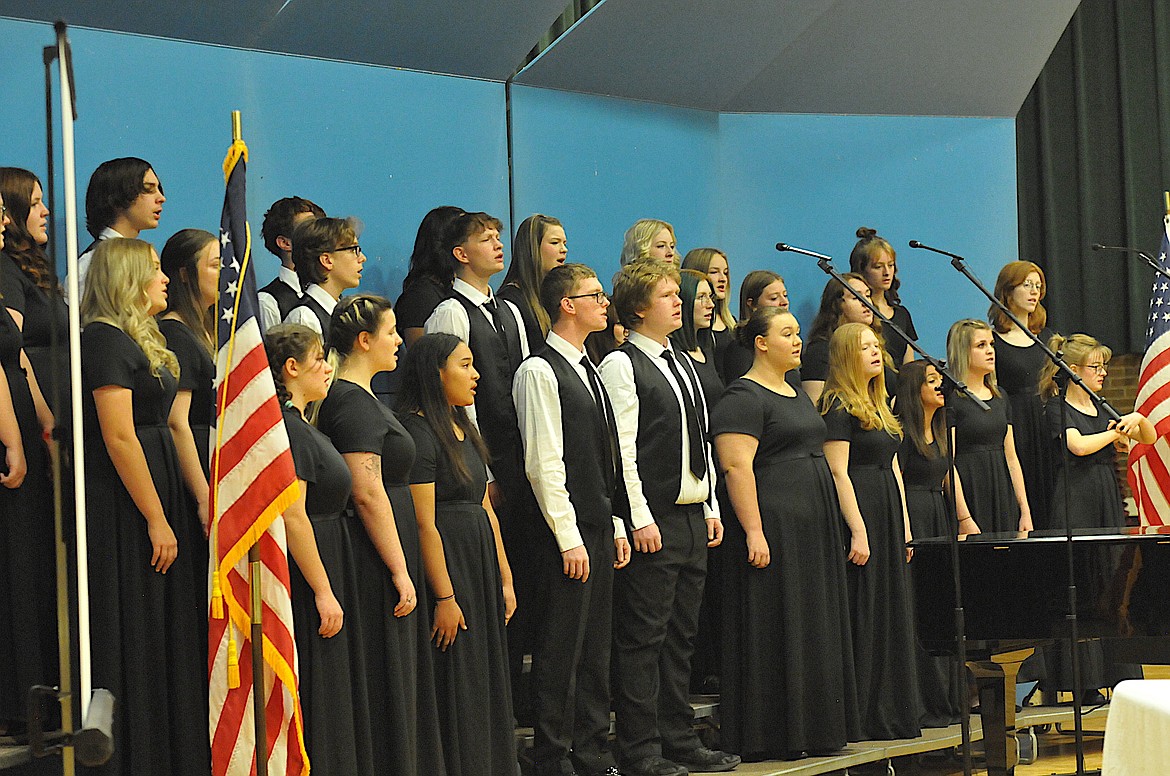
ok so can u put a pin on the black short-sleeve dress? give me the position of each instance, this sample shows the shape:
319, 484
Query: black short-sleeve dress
418, 301
930, 516
398, 654
197, 375
28, 582
46, 332
1017, 372
879, 599
1094, 498
982, 463
788, 675
814, 365
331, 670
896, 345
475, 696
148, 630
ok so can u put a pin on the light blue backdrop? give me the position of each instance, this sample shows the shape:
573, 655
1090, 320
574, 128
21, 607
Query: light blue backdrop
387, 145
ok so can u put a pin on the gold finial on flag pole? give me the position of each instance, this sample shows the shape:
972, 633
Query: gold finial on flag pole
237, 132
1166, 201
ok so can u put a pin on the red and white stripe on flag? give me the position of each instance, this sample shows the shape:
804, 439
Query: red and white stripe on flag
1149, 465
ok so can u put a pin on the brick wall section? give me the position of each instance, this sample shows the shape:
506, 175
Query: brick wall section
1120, 390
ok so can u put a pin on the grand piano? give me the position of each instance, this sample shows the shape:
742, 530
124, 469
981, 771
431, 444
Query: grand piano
1015, 597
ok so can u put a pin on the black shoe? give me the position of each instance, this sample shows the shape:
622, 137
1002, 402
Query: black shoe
654, 766
704, 760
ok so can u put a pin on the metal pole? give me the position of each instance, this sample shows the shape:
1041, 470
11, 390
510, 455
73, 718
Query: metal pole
69, 177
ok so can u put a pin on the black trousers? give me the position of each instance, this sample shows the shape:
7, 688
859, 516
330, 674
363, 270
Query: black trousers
570, 668
656, 615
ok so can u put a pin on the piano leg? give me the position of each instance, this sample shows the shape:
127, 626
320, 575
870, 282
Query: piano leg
996, 681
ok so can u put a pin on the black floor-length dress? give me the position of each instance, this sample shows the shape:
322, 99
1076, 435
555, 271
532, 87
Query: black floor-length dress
1017, 371
471, 676
331, 670
879, 595
931, 516
398, 655
145, 626
28, 582
788, 674
981, 462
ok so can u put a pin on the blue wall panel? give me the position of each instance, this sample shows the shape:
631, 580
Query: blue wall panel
599, 164
812, 180
381, 144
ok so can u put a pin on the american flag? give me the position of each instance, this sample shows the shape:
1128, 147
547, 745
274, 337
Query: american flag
1149, 465
252, 482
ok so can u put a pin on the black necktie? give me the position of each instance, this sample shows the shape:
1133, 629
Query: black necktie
694, 426
608, 426
509, 335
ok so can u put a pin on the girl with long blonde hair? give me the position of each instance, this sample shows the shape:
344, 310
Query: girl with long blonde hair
148, 557
862, 452
984, 442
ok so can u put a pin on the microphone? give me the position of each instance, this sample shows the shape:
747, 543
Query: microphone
802, 251
923, 246
1124, 249
915, 244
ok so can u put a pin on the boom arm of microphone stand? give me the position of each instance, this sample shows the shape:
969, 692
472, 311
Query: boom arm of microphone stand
1061, 365
826, 266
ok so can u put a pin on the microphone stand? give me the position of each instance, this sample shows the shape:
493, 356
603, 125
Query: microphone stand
1064, 376
951, 383
1147, 258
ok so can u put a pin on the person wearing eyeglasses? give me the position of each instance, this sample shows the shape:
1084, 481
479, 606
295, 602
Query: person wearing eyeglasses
1020, 287
1090, 481
329, 261
570, 456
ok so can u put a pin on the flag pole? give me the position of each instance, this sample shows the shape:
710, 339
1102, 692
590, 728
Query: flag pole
256, 606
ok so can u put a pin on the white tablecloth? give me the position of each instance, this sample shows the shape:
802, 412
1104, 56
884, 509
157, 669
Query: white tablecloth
1137, 734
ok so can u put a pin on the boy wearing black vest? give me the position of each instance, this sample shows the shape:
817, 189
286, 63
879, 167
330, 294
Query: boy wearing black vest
278, 298
673, 518
494, 331
571, 459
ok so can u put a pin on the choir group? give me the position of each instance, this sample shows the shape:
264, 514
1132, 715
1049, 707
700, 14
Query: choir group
636, 488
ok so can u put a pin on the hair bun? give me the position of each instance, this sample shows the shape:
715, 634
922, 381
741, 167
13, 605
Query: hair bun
865, 233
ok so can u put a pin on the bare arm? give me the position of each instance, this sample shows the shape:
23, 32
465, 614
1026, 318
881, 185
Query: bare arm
502, 557
905, 511
189, 463
1137, 426
377, 515
302, 544
16, 466
737, 452
814, 389
967, 524
448, 617
837, 455
115, 411
1017, 475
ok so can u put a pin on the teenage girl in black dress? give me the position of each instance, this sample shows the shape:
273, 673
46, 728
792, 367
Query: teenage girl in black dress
875, 260
466, 567
539, 246
863, 441
788, 675
712, 262
393, 614
322, 572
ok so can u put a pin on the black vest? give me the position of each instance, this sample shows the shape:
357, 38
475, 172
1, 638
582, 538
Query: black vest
660, 432
324, 317
286, 298
594, 484
494, 412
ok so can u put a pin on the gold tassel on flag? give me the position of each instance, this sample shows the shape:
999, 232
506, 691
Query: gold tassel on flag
233, 667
